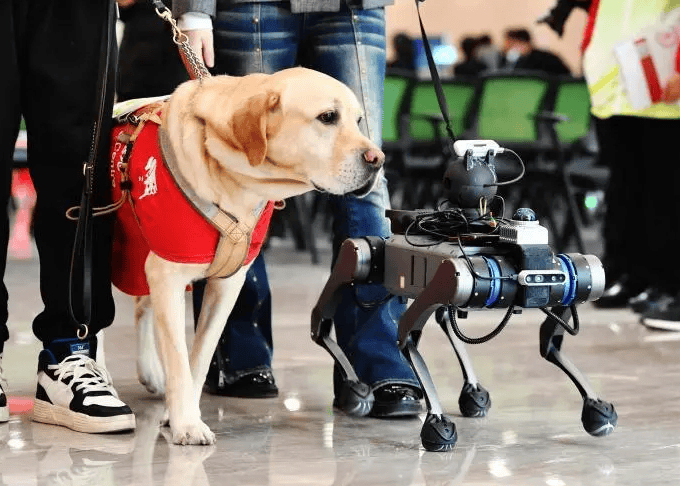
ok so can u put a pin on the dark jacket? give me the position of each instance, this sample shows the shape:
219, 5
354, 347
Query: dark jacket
148, 60
538, 60
469, 68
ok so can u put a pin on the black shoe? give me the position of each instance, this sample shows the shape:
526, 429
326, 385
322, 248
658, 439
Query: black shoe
258, 383
666, 318
650, 299
618, 294
76, 392
394, 400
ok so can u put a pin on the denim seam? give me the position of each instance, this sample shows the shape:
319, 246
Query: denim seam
258, 27
361, 61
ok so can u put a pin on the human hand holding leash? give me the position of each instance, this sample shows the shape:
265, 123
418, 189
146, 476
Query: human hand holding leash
201, 41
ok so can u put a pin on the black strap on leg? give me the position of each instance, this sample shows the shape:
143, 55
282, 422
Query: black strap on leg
82, 246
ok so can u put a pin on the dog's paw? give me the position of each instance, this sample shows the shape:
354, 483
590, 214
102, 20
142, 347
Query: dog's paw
192, 434
152, 386
150, 374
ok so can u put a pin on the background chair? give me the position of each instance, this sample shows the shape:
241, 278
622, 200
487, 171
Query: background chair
575, 155
516, 110
396, 98
396, 93
425, 148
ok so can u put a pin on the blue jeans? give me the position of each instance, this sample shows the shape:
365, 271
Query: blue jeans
350, 46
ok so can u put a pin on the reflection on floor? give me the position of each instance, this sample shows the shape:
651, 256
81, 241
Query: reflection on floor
532, 435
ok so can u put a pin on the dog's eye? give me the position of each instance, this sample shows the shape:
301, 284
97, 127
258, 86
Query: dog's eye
329, 117
359, 120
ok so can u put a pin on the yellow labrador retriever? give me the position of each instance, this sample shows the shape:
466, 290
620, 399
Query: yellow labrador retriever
238, 142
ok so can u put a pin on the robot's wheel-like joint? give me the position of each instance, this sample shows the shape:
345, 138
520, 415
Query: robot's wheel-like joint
474, 400
438, 433
599, 418
356, 399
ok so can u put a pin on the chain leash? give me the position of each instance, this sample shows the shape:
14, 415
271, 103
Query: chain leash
192, 61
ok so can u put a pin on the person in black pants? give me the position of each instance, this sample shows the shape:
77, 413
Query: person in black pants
640, 238
51, 52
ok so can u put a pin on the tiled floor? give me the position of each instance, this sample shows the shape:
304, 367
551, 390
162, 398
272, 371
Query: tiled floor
532, 435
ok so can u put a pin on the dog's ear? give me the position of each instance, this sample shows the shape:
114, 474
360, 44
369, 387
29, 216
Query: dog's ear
238, 111
248, 126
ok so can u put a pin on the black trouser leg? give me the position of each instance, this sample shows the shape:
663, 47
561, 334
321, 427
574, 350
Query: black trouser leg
641, 236
10, 114
659, 236
626, 195
58, 46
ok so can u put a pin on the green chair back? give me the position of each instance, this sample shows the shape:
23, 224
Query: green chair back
459, 100
395, 91
509, 105
573, 101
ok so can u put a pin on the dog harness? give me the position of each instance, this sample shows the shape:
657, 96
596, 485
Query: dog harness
160, 213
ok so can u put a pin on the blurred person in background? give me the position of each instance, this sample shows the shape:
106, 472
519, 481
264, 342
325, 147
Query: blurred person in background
404, 53
488, 53
471, 66
521, 54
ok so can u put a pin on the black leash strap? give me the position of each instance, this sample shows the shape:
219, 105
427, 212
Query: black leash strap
82, 246
441, 98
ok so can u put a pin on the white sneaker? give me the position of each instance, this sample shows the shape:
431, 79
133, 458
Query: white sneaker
76, 392
4, 408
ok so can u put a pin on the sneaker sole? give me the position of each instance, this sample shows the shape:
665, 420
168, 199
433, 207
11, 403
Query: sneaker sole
661, 325
47, 413
4, 414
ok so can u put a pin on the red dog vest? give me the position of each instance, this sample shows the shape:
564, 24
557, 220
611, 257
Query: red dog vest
160, 218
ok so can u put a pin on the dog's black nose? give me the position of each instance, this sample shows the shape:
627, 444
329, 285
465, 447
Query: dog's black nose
374, 157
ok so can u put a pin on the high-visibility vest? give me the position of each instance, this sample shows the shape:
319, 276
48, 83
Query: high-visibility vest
617, 21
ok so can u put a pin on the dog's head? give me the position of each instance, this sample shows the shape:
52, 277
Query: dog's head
296, 126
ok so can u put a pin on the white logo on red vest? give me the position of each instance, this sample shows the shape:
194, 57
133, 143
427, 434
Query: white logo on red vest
150, 187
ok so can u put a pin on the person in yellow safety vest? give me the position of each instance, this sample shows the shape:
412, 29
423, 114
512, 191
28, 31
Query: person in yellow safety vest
630, 62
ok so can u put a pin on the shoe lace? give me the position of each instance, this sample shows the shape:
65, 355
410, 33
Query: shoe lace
87, 374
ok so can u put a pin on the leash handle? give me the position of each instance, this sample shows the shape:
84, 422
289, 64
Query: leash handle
441, 98
192, 62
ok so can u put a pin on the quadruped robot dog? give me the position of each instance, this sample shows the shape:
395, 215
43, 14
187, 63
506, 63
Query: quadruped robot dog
460, 257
